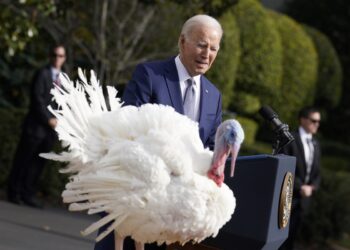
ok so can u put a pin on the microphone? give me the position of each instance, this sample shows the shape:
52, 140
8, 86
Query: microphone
284, 137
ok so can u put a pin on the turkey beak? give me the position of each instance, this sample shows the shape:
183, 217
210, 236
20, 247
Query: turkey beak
221, 160
234, 153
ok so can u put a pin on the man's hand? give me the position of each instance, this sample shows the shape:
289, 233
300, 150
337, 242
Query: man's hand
306, 190
53, 123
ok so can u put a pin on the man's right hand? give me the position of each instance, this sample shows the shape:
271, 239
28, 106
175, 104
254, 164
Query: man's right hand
53, 122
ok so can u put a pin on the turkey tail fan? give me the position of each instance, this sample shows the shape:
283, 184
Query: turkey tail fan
77, 105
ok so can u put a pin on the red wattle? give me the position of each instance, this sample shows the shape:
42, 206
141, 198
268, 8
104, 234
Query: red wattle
218, 179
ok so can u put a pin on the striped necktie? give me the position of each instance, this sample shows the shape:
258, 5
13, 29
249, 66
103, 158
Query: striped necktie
57, 80
189, 100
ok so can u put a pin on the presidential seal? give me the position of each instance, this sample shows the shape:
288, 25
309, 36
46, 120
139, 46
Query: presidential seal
285, 200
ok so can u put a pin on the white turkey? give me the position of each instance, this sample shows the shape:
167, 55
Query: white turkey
145, 167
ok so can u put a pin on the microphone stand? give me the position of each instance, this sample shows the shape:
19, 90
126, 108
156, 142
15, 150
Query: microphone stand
276, 147
283, 138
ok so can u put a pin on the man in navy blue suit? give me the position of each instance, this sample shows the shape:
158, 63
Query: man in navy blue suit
180, 82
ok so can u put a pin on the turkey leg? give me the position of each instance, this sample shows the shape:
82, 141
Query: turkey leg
139, 246
118, 241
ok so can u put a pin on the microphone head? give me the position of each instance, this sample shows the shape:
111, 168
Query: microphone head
267, 113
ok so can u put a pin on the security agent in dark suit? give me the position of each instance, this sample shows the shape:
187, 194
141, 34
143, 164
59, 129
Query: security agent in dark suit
38, 133
306, 149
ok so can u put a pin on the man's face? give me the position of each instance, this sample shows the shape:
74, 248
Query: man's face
199, 49
311, 123
58, 57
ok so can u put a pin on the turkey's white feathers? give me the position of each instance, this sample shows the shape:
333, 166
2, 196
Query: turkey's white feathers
146, 167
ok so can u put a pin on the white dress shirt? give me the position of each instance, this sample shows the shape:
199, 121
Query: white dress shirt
54, 73
308, 152
183, 77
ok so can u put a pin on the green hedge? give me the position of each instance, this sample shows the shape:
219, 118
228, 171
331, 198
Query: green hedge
260, 68
223, 72
52, 182
245, 103
336, 148
10, 130
256, 148
330, 75
299, 68
250, 127
329, 214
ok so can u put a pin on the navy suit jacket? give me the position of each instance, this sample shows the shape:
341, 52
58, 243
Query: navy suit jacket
36, 122
158, 82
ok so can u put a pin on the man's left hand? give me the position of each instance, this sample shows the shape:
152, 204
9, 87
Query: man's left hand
306, 190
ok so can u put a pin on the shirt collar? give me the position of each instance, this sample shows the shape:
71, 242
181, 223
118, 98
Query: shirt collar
183, 73
304, 134
54, 71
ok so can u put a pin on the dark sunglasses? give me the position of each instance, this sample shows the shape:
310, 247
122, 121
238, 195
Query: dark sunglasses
314, 121
58, 55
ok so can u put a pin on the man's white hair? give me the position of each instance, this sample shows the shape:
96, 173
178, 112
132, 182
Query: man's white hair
200, 20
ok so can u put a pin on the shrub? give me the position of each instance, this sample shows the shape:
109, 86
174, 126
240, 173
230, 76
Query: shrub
336, 163
10, 130
245, 104
335, 148
260, 68
329, 214
299, 68
250, 127
256, 148
223, 72
329, 81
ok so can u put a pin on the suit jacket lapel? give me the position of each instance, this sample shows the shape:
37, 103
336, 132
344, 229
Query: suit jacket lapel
316, 153
301, 151
173, 84
203, 106
48, 78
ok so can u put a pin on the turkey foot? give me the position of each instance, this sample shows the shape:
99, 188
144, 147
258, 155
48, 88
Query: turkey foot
139, 246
